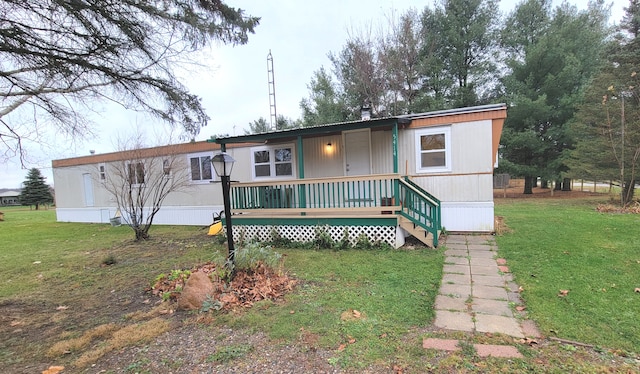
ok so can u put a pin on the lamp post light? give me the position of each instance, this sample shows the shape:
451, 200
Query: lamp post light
222, 164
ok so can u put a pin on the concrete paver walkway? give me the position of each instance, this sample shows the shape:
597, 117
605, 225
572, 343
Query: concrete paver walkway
477, 290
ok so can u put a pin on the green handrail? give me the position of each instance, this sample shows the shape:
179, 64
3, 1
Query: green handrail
420, 207
417, 205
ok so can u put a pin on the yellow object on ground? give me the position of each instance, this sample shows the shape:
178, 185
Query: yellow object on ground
215, 229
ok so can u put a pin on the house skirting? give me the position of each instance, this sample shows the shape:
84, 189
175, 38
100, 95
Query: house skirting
303, 230
468, 216
168, 215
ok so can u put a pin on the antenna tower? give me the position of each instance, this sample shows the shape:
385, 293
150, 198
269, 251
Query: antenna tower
272, 92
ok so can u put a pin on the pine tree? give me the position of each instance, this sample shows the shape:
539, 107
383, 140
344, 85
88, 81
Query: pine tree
35, 191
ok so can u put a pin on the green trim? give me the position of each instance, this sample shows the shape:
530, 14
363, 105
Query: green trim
300, 158
315, 221
394, 144
302, 197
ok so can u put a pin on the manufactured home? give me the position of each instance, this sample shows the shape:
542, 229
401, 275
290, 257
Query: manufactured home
385, 178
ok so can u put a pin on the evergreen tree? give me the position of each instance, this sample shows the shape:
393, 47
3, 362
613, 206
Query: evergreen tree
35, 191
325, 103
608, 123
464, 43
556, 56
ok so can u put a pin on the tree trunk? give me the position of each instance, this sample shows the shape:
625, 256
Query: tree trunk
558, 185
566, 184
628, 190
544, 184
141, 233
528, 185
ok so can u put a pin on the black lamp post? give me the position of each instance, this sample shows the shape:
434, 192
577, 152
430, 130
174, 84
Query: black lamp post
222, 164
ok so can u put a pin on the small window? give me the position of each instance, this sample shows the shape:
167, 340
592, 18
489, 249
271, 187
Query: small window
273, 162
135, 173
201, 168
166, 167
103, 172
433, 150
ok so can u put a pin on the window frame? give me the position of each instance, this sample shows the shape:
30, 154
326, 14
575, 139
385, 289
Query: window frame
200, 155
102, 172
446, 131
272, 162
137, 164
166, 168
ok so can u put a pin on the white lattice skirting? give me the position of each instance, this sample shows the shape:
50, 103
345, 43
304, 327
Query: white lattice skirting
303, 233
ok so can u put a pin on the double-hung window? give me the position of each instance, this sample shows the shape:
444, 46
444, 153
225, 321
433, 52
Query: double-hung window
135, 172
433, 150
201, 168
272, 161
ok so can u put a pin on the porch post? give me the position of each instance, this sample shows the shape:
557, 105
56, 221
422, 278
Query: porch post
302, 198
394, 145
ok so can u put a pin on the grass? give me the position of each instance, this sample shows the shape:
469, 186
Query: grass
55, 285
360, 301
364, 307
566, 245
37, 253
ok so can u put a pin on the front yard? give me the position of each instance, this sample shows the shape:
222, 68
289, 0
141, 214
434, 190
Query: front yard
61, 303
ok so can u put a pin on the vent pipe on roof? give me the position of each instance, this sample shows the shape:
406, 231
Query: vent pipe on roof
92, 151
365, 112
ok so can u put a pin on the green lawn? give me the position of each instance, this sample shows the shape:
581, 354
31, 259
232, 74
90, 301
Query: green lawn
566, 245
555, 245
390, 292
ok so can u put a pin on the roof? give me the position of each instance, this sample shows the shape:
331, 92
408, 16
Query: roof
313, 130
10, 193
316, 130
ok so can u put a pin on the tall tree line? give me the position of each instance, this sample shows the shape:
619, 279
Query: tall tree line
539, 59
607, 126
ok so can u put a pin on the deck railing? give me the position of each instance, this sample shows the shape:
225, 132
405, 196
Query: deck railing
420, 207
341, 195
369, 191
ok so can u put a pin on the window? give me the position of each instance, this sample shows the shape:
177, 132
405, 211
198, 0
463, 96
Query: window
103, 172
166, 167
433, 150
201, 168
272, 162
135, 173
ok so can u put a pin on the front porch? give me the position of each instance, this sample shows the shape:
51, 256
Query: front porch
384, 208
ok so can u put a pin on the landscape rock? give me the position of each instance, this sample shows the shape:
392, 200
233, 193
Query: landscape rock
196, 291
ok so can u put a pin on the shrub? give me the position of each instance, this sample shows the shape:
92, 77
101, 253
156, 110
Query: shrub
323, 239
252, 255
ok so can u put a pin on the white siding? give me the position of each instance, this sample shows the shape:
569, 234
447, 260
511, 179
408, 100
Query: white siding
381, 152
168, 215
322, 161
468, 216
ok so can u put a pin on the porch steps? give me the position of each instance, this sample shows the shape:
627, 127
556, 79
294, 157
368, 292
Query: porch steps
417, 231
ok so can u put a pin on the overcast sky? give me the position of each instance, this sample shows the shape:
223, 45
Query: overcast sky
234, 84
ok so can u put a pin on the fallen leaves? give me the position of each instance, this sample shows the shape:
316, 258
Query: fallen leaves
53, 370
247, 287
563, 293
351, 315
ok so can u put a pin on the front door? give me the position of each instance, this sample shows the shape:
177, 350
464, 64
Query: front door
357, 147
